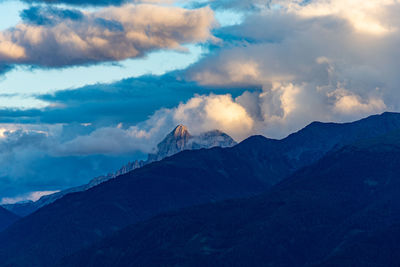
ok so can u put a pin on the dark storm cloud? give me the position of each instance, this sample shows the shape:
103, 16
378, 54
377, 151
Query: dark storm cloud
128, 101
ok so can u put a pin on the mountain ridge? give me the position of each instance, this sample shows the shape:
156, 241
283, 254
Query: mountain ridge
177, 140
322, 215
185, 179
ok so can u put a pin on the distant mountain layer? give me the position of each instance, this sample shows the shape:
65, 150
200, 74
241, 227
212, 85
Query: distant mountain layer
185, 179
342, 211
178, 140
77, 220
6, 218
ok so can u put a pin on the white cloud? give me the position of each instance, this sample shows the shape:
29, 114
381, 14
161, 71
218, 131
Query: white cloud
239, 72
110, 34
349, 103
205, 113
327, 60
114, 140
366, 16
372, 16
200, 114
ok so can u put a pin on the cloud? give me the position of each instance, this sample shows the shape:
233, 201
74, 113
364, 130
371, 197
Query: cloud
316, 60
369, 16
32, 196
287, 64
348, 103
79, 2
200, 114
366, 16
54, 37
111, 141
205, 113
31, 154
301, 57
95, 2
129, 101
28, 162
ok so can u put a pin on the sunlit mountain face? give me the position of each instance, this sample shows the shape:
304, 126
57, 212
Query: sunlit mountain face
195, 102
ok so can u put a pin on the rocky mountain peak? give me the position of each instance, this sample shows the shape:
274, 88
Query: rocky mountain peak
173, 143
177, 140
180, 131
180, 139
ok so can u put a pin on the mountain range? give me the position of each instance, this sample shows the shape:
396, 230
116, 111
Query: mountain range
306, 200
343, 210
176, 141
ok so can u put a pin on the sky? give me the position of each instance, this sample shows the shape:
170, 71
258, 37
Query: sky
86, 86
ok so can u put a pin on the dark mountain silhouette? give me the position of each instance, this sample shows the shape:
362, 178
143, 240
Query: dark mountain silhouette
341, 211
6, 218
78, 219
186, 179
176, 141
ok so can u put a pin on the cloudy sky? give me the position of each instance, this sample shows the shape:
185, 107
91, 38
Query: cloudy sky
87, 85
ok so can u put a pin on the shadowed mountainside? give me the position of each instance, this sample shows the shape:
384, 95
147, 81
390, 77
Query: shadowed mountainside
78, 219
188, 178
176, 141
342, 211
6, 218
